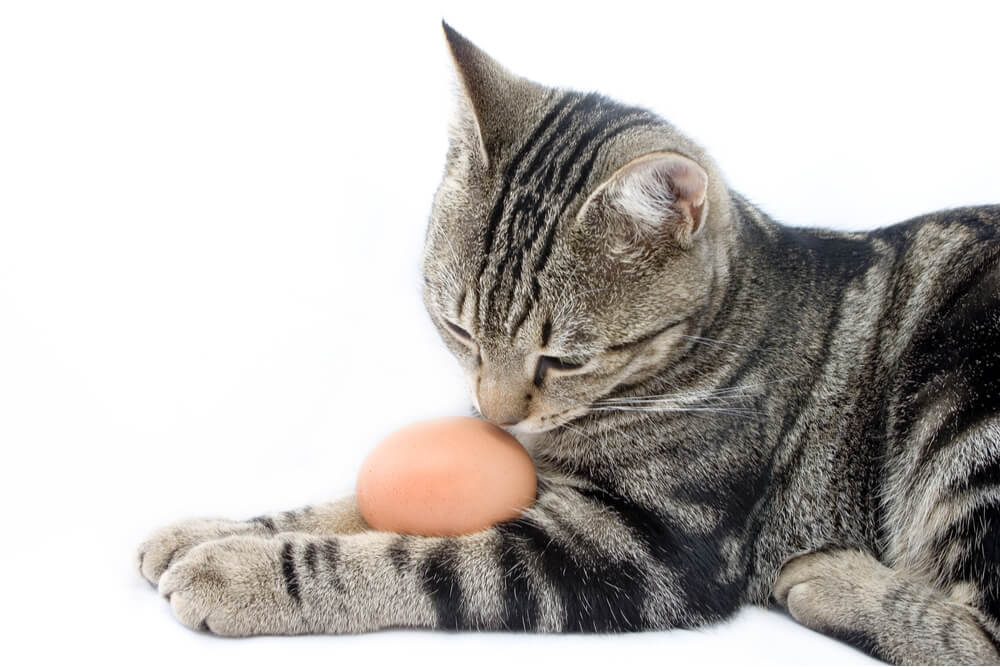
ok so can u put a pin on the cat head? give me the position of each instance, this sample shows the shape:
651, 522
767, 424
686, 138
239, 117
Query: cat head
571, 243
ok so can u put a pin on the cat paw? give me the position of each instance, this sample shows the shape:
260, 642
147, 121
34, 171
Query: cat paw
169, 544
235, 587
827, 588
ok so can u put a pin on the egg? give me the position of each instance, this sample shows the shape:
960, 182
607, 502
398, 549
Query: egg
448, 476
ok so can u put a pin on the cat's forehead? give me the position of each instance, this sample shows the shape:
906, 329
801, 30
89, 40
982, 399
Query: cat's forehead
544, 177
566, 133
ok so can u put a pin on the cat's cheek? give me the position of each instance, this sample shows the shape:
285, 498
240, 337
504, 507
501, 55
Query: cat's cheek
547, 414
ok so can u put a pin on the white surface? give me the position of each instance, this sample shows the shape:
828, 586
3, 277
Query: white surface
211, 217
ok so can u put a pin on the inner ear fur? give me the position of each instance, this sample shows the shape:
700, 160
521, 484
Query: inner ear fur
661, 195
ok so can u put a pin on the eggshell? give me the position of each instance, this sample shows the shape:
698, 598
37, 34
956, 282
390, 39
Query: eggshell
448, 476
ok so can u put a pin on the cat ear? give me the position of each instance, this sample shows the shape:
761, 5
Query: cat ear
658, 195
496, 96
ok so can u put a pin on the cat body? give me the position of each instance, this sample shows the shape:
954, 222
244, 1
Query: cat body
826, 437
722, 410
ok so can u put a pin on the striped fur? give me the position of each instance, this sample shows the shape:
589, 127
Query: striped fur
761, 415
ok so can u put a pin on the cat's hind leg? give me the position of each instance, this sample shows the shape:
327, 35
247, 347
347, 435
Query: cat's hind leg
891, 614
170, 543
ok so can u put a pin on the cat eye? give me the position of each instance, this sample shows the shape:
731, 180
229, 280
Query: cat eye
545, 363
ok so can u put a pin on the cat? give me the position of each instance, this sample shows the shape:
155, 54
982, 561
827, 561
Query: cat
722, 411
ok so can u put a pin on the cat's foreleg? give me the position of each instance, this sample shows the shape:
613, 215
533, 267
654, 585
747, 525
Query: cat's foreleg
890, 614
172, 542
568, 564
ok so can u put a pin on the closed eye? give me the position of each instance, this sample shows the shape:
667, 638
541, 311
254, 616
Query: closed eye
459, 331
546, 363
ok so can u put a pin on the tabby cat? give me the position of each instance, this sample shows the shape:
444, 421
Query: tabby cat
722, 410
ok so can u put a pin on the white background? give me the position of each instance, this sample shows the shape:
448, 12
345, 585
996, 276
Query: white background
211, 217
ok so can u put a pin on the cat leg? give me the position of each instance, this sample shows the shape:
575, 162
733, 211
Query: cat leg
965, 554
578, 560
170, 543
890, 614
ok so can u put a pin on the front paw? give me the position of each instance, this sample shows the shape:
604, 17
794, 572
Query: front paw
170, 544
827, 588
236, 586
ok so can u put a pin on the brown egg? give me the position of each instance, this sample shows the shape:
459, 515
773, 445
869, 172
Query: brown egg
448, 476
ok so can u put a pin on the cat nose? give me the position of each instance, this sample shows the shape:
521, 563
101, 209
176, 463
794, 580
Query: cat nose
501, 403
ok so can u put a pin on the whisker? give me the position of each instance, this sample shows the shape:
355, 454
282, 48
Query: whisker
579, 432
670, 408
722, 393
715, 341
670, 397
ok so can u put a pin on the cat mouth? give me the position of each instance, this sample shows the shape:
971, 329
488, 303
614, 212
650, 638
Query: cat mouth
544, 423
525, 428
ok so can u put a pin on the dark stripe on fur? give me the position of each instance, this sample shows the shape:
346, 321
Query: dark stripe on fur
497, 213
266, 522
331, 556
399, 553
546, 332
310, 557
694, 558
958, 358
982, 476
588, 103
440, 582
519, 595
597, 594
601, 139
288, 571
526, 204
567, 199
953, 340
533, 204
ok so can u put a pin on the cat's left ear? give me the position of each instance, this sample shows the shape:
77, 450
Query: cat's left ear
661, 195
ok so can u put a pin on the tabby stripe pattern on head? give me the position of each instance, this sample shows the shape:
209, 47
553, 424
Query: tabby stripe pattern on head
536, 191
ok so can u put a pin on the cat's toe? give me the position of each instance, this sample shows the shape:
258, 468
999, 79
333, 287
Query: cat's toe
155, 555
795, 572
822, 589
232, 587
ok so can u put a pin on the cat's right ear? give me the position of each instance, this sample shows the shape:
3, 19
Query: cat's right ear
659, 197
493, 97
